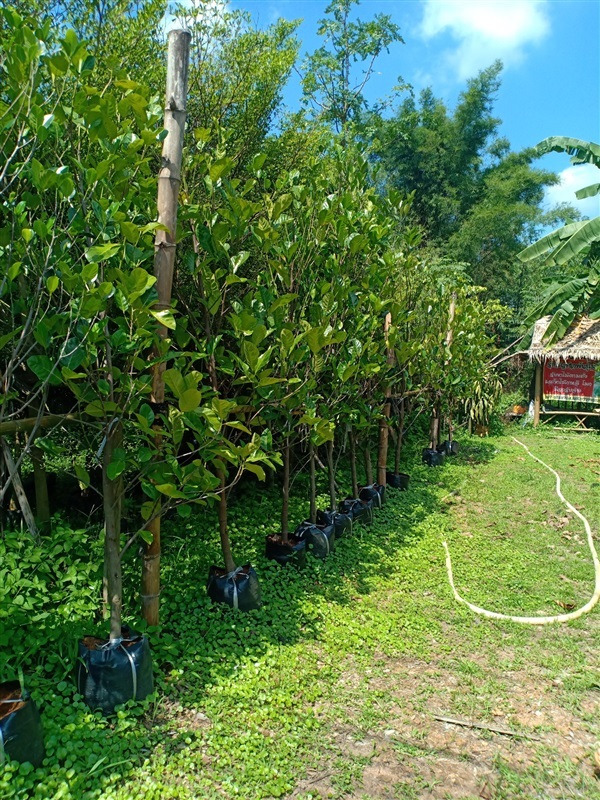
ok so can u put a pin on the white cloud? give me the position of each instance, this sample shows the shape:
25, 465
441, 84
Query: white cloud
572, 179
485, 30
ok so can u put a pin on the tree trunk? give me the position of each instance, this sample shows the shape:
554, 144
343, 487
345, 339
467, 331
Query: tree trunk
368, 465
169, 179
434, 428
399, 438
331, 474
15, 479
313, 482
353, 472
112, 495
42, 501
223, 528
285, 503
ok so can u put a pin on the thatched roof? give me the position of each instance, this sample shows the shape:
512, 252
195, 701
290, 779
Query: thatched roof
582, 340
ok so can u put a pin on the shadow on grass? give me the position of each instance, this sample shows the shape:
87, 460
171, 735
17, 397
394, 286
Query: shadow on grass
201, 644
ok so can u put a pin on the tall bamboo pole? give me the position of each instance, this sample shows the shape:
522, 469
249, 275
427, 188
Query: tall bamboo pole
169, 179
384, 425
449, 340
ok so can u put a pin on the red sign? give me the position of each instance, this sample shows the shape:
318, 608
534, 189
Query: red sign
573, 380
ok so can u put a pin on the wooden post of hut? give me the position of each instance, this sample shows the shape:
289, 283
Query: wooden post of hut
537, 399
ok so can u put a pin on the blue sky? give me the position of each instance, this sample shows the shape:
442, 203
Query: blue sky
550, 49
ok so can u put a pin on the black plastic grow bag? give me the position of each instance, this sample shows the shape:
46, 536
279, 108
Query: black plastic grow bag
398, 480
238, 589
321, 540
341, 522
285, 552
433, 458
375, 492
448, 448
21, 735
359, 510
108, 674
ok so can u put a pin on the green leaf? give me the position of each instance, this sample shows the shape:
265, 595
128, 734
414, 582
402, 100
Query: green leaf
101, 252
83, 476
43, 368
114, 469
184, 511
588, 191
52, 283
284, 300
164, 317
256, 469
190, 400
220, 168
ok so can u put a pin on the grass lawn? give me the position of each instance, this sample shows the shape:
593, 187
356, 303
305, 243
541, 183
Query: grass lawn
332, 688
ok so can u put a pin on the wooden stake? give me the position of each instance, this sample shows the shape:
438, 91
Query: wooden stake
537, 403
331, 475
169, 179
285, 502
313, 482
353, 463
384, 425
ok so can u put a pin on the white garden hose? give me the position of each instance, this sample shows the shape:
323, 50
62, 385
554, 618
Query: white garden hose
539, 620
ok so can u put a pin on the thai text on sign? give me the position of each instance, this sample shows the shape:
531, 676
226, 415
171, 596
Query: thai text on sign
573, 380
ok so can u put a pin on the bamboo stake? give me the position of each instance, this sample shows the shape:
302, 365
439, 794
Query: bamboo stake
384, 425
285, 503
169, 180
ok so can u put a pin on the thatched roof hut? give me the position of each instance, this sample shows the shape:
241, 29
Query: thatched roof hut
581, 341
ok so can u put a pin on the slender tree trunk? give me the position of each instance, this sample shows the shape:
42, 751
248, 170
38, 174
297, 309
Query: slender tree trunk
434, 428
15, 479
331, 475
42, 501
169, 180
353, 464
313, 482
223, 527
399, 438
368, 465
285, 503
112, 495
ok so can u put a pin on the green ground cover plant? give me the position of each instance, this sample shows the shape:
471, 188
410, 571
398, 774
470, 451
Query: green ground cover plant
329, 689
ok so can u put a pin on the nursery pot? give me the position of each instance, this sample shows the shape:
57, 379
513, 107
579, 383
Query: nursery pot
359, 510
375, 492
448, 448
397, 480
320, 538
21, 735
110, 673
238, 589
294, 550
432, 457
341, 522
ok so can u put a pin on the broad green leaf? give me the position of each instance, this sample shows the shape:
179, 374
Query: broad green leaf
165, 317
101, 252
588, 191
114, 469
256, 469
52, 283
83, 476
190, 400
